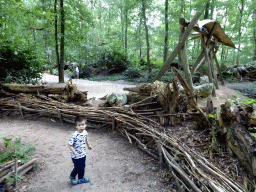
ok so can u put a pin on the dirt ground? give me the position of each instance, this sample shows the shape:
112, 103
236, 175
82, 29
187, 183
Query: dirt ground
113, 164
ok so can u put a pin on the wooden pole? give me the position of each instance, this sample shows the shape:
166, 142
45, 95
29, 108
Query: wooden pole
209, 71
218, 67
200, 61
184, 60
160, 152
113, 123
213, 72
16, 172
178, 47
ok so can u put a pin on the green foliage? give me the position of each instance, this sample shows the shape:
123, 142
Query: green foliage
249, 101
212, 116
86, 71
15, 149
13, 178
204, 69
114, 77
132, 72
157, 63
252, 87
18, 65
115, 60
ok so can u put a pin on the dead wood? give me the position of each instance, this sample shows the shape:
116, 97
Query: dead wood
18, 170
233, 126
69, 93
200, 117
18, 88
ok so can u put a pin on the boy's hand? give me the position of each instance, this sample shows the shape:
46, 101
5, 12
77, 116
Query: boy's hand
76, 154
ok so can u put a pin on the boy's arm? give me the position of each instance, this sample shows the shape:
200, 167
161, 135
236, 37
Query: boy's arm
73, 150
88, 146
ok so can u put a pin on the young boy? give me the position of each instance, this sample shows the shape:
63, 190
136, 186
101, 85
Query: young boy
77, 146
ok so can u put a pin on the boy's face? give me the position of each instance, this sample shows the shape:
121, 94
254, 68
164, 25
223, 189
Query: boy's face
81, 126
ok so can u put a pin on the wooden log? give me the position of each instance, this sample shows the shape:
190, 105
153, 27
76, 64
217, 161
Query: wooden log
185, 23
209, 69
113, 123
199, 61
6, 165
178, 47
18, 88
218, 67
21, 173
201, 119
233, 124
184, 61
215, 80
18, 170
181, 172
3, 173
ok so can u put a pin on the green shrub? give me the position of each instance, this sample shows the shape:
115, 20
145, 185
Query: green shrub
204, 69
15, 149
252, 89
142, 62
168, 77
132, 72
19, 65
115, 60
86, 71
114, 77
157, 63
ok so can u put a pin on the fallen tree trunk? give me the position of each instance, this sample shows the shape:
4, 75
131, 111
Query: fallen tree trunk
35, 89
69, 93
233, 126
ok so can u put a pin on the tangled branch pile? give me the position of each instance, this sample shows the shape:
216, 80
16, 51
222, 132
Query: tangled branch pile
190, 168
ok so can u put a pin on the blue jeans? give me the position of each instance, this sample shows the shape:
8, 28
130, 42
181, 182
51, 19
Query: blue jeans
79, 166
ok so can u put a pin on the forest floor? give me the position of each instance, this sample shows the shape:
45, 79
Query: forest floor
113, 164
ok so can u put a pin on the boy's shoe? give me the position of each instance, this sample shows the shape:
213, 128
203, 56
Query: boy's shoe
84, 180
75, 182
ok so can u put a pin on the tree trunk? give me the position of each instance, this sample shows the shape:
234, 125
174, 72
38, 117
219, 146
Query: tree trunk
166, 31
62, 29
212, 9
146, 30
206, 13
140, 42
240, 29
182, 11
223, 48
125, 32
254, 33
56, 34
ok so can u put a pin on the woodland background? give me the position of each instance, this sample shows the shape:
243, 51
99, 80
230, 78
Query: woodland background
104, 37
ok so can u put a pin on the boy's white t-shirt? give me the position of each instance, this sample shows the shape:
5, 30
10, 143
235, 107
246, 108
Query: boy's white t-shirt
78, 141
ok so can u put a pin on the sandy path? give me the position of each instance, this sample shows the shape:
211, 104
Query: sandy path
112, 165
95, 89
